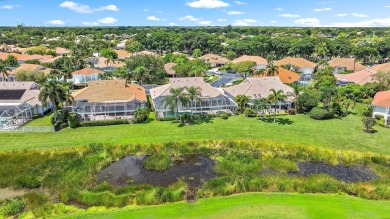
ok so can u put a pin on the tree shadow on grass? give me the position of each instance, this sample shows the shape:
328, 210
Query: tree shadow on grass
280, 121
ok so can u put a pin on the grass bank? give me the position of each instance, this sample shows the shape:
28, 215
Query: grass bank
256, 205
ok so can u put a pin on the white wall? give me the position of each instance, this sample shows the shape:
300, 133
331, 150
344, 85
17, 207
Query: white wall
382, 111
338, 70
307, 70
260, 67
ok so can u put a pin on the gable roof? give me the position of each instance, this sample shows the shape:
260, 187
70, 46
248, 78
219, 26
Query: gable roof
60, 50
285, 75
215, 59
349, 63
29, 96
24, 57
360, 77
382, 99
123, 53
169, 68
381, 67
87, 71
299, 62
258, 87
32, 67
110, 91
257, 59
207, 90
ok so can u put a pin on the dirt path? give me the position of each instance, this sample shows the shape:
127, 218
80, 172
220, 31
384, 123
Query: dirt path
7, 193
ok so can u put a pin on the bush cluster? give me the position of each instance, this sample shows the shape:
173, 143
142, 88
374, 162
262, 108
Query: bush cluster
104, 122
249, 112
320, 113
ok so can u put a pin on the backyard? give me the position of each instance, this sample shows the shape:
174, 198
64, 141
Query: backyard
345, 133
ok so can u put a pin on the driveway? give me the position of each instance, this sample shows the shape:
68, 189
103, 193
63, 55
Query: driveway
225, 78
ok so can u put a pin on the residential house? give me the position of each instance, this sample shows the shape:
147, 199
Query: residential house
62, 51
18, 103
285, 75
169, 69
381, 104
28, 68
108, 99
123, 54
215, 60
259, 87
364, 76
261, 63
212, 100
83, 76
297, 65
341, 65
24, 57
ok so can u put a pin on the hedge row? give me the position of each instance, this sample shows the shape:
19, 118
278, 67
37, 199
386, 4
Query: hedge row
104, 122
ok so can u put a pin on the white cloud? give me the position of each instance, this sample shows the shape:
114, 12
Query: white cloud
388, 6
9, 7
279, 9
93, 23
322, 9
221, 20
81, 8
273, 21
107, 20
244, 22
239, 3
385, 22
341, 15
205, 22
146, 10
172, 24
207, 4
290, 15
56, 22
190, 18
235, 12
153, 18
308, 22
359, 15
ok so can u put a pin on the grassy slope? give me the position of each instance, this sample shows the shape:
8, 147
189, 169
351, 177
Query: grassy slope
258, 205
45, 121
299, 129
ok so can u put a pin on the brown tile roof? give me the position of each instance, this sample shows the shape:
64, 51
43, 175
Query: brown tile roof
286, 76
360, 77
257, 59
206, 89
87, 71
299, 62
258, 87
216, 59
102, 63
32, 67
110, 91
24, 57
348, 63
382, 99
169, 68
382, 67
123, 53
60, 50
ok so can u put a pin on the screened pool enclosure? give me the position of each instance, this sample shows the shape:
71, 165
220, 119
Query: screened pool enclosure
12, 116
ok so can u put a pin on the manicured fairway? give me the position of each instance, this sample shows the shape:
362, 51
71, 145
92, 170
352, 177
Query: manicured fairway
300, 129
258, 205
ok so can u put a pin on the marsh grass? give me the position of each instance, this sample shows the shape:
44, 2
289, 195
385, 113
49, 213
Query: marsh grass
158, 161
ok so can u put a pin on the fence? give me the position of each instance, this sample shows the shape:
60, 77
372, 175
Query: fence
36, 129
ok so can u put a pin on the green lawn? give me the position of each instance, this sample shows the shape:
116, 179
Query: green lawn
45, 121
257, 205
300, 129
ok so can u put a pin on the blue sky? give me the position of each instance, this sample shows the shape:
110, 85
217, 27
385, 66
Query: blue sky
346, 13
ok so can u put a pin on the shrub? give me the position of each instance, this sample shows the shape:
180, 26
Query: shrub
141, 115
104, 122
249, 112
336, 107
159, 161
379, 117
224, 116
368, 123
11, 207
185, 118
73, 121
368, 111
291, 111
320, 113
167, 119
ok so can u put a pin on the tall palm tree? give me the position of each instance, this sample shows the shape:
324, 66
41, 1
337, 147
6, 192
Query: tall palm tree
53, 92
272, 70
109, 61
295, 94
176, 98
4, 70
276, 96
260, 104
193, 94
242, 102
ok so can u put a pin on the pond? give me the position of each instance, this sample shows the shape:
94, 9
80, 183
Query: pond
195, 169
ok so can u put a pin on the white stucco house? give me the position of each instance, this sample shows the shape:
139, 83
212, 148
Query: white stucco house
81, 77
381, 105
261, 63
297, 65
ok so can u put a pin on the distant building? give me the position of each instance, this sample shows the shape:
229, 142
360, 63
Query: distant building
83, 76
169, 69
62, 51
261, 63
341, 65
297, 65
215, 60
381, 105
364, 76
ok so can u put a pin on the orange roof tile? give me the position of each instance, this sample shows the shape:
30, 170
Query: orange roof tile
382, 67
382, 99
285, 75
87, 71
299, 62
348, 63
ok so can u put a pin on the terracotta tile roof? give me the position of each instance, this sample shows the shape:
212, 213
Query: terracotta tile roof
207, 90
348, 63
60, 50
123, 53
258, 87
216, 59
87, 71
257, 59
299, 62
110, 91
24, 57
286, 76
32, 67
382, 67
169, 68
360, 77
382, 99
